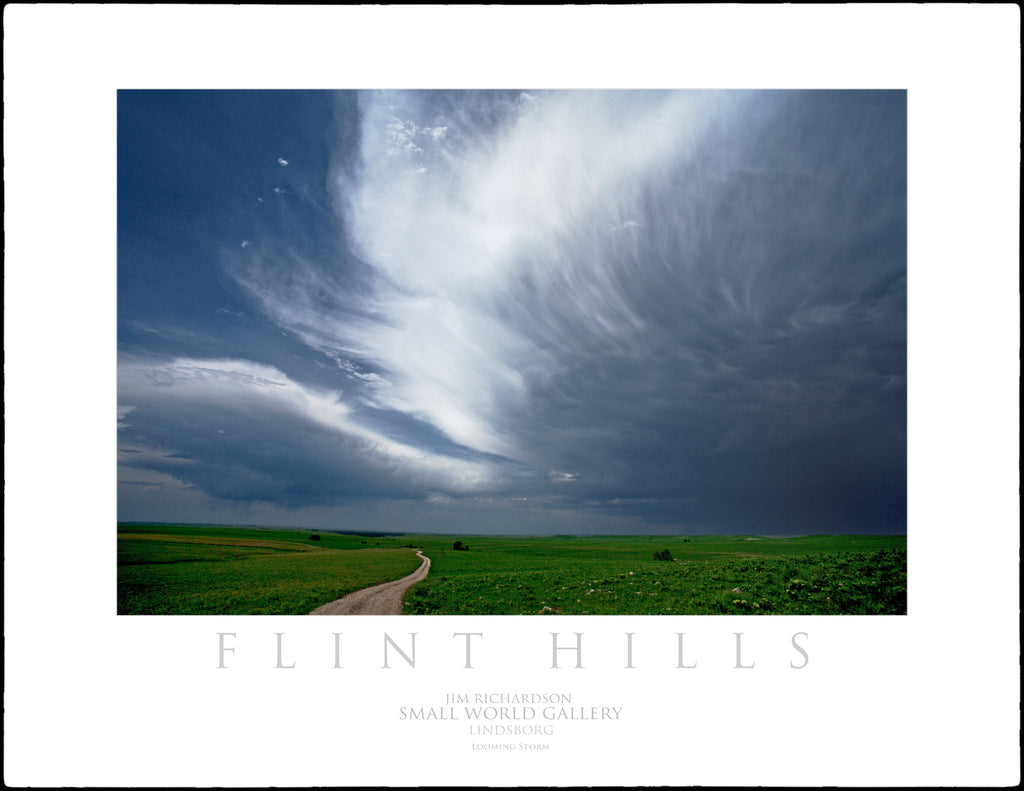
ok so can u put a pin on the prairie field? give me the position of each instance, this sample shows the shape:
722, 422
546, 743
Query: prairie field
701, 575
238, 571
226, 570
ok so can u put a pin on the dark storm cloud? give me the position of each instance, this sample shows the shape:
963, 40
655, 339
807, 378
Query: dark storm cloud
683, 308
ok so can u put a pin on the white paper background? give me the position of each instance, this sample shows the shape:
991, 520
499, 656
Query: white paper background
927, 699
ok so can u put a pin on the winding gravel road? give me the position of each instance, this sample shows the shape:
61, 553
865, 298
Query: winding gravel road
383, 599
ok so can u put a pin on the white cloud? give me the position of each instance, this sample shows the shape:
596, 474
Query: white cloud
282, 162
239, 386
484, 212
513, 203
398, 135
353, 372
122, 413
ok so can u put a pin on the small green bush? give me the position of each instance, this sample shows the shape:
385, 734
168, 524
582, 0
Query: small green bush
663, 555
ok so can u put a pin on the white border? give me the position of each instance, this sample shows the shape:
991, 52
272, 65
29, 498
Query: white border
929, 699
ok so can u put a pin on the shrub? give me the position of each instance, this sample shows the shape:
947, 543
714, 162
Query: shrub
314, 538
663, 555
459, 546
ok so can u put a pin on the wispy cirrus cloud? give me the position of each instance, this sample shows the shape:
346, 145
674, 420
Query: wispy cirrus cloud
494, 196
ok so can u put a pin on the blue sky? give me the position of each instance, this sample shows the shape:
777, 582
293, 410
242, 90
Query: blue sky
514, 311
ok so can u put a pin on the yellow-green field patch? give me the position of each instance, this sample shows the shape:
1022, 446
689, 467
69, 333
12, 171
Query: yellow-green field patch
245, 577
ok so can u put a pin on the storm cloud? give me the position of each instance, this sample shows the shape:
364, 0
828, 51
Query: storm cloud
576, 311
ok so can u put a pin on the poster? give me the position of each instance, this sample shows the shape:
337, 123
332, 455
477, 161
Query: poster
927, 699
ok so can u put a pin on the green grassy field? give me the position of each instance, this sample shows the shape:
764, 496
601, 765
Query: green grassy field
239, 571
707, 576
242, 570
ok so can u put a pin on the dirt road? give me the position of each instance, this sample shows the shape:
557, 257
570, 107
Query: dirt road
383, 599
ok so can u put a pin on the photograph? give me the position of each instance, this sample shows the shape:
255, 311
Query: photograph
660, 319
512, 352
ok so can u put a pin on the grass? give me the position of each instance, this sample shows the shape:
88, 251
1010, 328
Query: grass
228, 571
254, 571
833, 575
